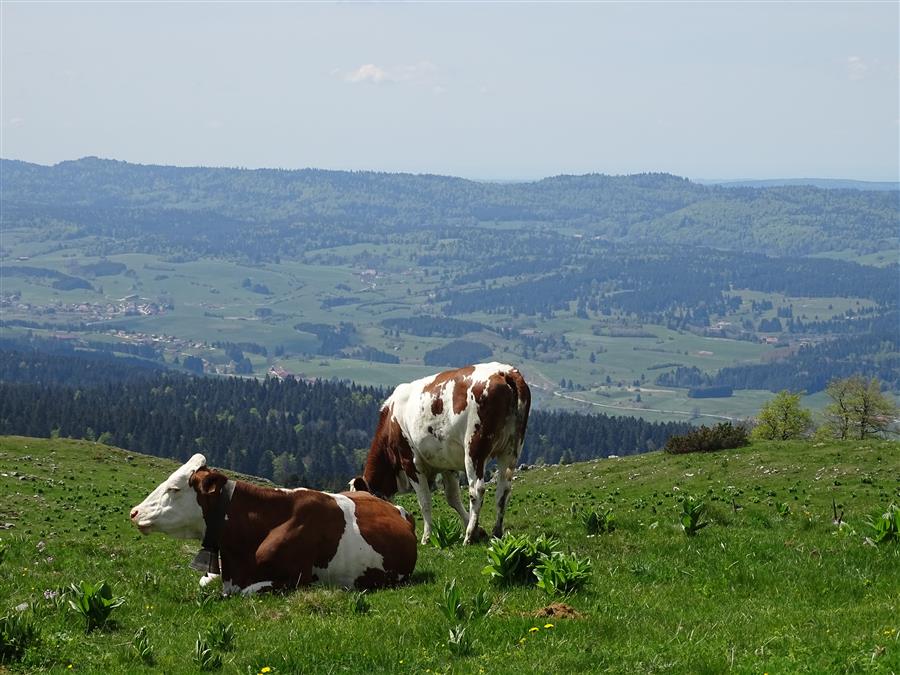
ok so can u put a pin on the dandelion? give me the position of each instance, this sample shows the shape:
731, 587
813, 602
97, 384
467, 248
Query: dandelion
533, 629
267, 669
548, 625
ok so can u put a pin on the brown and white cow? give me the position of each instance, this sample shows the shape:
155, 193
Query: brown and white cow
444, 423
278, 538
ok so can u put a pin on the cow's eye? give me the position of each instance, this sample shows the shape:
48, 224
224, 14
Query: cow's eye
173, 488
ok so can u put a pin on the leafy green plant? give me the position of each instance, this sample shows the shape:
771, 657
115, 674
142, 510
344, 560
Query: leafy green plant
141, 647
446, 532
451, 602
359, 603
598, 522
205, 657
559, 573
221, 636
454, 609
512, 558
887, 527
460, 642
481, 605
692, 510
783, 509
2, 552
17, 633
95, 602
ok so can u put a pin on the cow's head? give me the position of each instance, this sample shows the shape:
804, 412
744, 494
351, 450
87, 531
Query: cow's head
173, 508
389, 465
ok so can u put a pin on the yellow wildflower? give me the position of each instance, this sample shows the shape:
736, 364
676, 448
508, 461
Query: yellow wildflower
548, 625
533, 629
265, 669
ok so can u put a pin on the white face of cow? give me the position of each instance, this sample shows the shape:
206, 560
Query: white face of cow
172, 507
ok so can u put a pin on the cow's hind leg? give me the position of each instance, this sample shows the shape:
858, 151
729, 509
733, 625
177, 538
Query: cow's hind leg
476, 498
423, 494
451, 490
504, 487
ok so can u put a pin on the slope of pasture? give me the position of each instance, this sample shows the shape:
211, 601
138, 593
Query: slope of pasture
753, 592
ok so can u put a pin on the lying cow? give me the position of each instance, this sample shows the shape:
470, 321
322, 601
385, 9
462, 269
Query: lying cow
444, 423
277, 538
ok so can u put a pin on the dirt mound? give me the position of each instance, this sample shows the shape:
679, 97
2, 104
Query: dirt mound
559, 610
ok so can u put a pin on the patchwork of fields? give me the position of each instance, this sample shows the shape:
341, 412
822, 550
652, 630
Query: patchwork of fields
198, 303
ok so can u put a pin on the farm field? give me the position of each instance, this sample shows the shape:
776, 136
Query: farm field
213, 300
770, 586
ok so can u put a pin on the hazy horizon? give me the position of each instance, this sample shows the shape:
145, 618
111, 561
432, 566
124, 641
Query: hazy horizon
485, 91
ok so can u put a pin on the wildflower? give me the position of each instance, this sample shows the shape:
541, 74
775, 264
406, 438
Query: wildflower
533, 629
265, 669
548, 625
50, 594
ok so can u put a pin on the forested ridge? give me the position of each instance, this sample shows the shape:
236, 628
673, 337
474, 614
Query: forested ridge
295, 432
214, 210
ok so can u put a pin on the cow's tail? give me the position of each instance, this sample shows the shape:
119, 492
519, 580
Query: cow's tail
517, 383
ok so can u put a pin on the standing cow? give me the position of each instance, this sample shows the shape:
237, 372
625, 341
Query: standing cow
444, 423
277, 538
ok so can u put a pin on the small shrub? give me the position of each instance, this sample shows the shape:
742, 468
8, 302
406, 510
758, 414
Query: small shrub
723, 436
512, 558
692, 509
205, 657
141, 647
359, 603
446, 532
17, 633
885, 529
95, 602
559, 573
598, 522
221, 636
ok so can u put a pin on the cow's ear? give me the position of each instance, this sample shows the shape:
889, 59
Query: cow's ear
212, 483
193, 478
359, 484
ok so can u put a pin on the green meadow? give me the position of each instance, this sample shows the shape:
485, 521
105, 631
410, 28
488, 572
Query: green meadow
771, 585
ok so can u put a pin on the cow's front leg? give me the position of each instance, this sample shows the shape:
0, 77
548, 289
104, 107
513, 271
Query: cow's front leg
423, 494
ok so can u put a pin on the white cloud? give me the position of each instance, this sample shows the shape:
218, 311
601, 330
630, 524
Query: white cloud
857, 68
368, 73
423, 73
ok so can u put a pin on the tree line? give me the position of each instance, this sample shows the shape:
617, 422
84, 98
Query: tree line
295, 432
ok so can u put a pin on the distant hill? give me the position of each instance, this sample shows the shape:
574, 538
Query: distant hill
822, 183
216, 211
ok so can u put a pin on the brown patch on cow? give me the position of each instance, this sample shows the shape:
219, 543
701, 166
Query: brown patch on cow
394, 539
558, 610
460, 395
437, 405
460, 379
272, 535
496, 404
407, 461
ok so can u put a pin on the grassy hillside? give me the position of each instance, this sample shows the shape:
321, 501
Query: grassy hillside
754, 592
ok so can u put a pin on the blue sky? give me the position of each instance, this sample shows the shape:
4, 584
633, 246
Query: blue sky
481, 90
